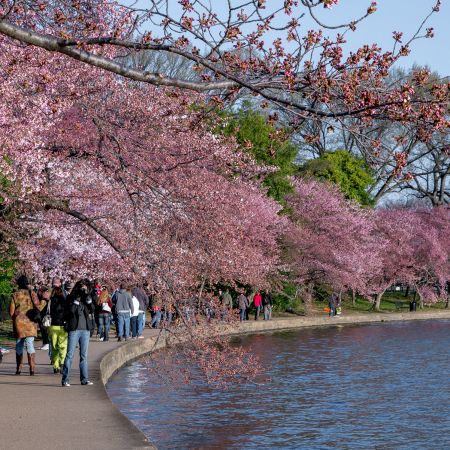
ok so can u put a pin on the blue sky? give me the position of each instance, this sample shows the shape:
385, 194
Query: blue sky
392, 15
399, 15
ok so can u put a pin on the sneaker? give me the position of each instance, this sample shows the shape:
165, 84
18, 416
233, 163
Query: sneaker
119, 340
140, 337
65, 384
87, 383
44, 347
101, 339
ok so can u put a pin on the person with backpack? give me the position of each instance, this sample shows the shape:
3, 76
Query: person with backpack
56, 309
80, 311
24, 310
267, 305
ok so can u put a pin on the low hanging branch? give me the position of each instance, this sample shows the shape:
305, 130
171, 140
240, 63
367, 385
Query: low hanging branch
238, 55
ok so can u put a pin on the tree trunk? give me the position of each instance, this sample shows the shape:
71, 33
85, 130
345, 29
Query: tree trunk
353, 297
407, 291
308, 299
420, 302
200, 292
376, 305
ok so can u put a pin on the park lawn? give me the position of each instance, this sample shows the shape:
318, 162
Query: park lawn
6, 333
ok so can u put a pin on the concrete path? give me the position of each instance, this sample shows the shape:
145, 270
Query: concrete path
37, 413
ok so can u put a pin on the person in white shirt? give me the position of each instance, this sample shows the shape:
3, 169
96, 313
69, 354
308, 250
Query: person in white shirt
134, 317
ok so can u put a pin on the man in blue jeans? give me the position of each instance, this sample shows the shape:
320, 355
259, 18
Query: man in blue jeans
80, 323
124, 309
143, 300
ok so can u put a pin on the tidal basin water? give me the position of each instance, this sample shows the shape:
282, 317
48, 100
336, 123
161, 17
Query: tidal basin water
379, 386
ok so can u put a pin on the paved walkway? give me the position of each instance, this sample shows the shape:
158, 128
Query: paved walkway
37, 413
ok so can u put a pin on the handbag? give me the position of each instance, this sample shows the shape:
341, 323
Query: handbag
47, 319
33, 314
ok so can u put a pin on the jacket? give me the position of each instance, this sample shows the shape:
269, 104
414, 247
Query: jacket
80, 307
227, 300
267, 300
22, 302
123, 301
257, 300
142, 297
242, 301
58, 308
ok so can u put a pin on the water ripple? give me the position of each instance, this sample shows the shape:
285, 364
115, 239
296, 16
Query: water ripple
378, 386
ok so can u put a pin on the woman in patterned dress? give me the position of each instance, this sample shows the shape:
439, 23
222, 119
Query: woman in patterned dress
21, 307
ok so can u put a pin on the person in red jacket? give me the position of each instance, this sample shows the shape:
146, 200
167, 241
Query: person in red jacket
257, 301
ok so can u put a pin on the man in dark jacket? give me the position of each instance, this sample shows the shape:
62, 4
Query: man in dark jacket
124, 309
143, 300
80, 320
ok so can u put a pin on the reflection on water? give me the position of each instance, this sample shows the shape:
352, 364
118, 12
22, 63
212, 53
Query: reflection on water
354, 387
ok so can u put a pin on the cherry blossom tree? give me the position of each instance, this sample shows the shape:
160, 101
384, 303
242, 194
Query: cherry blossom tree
416, 254
331, 240
237, 56
396, 228
430, 243
149, 189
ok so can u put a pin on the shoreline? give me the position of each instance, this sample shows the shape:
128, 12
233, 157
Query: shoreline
85, 418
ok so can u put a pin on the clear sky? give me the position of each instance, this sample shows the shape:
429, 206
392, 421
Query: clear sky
391, 15
399, 15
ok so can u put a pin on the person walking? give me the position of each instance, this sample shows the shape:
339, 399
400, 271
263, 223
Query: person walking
124, 309
56, 308
43, 294
80, 312
156, 316
267, 305
143, 299
243, 305
134, 317
257, 301
104, 308
332, 303
227, 304
23, 310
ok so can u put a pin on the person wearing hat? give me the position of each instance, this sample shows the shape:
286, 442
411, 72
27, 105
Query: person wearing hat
23, 311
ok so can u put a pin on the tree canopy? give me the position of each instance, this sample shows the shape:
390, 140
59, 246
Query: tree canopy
340, 167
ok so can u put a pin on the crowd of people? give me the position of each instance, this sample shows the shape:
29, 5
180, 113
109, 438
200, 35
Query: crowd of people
68, 315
